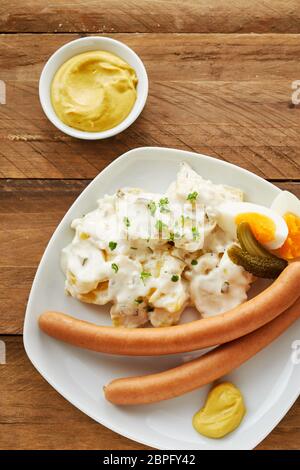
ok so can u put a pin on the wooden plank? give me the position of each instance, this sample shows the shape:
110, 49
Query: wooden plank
217, 16
29, 213
34, 416
235, 105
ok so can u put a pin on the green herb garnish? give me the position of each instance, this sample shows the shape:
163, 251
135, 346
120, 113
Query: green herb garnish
163, 203
84, 261
139, 300
195, 233
112, 245
145, 275
126, 222
115, 267
175, 278
192, 196
152, 207
160, 225
194, 262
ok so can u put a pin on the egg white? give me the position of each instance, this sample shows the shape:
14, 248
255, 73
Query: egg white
286, 202
228, 212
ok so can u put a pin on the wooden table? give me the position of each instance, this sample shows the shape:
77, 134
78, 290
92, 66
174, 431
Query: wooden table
220, 83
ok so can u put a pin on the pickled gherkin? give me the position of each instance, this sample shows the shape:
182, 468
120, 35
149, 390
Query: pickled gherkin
259, 266
249, 243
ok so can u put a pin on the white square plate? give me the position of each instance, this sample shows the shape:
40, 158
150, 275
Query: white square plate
270, 381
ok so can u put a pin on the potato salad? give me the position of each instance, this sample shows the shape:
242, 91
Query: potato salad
151, 255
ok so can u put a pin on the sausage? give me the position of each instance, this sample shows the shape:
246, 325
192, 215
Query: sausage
191, 336
201, 371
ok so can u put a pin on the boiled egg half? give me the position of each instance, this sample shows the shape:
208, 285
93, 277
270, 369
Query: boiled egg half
287, 205
268, 226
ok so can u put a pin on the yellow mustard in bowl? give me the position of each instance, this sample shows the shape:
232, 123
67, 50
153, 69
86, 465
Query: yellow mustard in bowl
222, 413
94, 91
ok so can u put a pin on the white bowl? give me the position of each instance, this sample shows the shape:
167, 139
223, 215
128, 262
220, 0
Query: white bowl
270, 381
92, 43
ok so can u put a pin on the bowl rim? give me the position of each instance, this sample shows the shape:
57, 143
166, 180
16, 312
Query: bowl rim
104, 43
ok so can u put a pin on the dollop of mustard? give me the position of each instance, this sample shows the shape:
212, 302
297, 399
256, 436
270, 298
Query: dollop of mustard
94, 91
222, 413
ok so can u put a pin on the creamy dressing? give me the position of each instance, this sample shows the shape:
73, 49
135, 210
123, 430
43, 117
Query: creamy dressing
151, 254
217, 284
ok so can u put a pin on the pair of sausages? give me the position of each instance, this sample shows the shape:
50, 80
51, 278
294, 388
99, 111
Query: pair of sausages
198, 372
199, 334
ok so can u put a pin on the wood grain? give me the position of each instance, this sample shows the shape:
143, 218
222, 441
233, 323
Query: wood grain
30, 210
29, 213
225, 95
108, 16
34, 416
228, 96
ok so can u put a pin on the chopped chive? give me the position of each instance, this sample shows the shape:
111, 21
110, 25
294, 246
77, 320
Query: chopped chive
152, 207
195, 233
133, 248
139, 300
84, 261
145, 275
160, 225
163, 202
192, 196
126, 222
175, 278
115, 267
173, 235
194, 262
112, 245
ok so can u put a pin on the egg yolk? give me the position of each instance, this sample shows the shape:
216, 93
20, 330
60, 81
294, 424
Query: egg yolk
263, 228
291, 247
